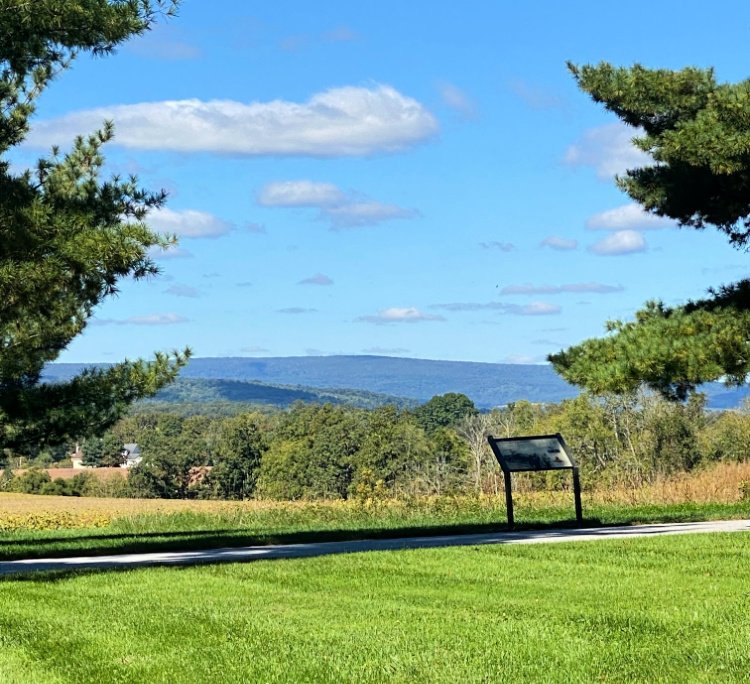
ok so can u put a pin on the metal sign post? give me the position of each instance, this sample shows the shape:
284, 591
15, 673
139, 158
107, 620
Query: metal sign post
532, 454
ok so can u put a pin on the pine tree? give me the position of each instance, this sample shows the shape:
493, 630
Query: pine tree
698, 133
67, 236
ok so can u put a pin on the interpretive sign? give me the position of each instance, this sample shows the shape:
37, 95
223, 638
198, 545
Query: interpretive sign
530, 454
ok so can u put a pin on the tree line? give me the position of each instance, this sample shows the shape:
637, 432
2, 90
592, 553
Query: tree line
315, 451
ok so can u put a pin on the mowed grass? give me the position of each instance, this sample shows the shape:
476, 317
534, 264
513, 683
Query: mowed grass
667, 609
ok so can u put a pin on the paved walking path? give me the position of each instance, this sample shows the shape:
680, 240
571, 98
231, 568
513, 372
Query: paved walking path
252, 553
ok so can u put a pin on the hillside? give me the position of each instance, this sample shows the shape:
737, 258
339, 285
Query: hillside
188, 390
281, 380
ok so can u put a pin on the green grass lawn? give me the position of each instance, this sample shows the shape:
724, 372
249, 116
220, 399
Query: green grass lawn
668, 609
312, 522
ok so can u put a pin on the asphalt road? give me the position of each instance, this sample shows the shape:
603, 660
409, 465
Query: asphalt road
254, 553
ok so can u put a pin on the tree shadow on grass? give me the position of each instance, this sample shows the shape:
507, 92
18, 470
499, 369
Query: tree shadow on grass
317, 541
197, 540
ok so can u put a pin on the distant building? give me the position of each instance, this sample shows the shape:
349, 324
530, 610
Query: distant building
76, 458
131, 455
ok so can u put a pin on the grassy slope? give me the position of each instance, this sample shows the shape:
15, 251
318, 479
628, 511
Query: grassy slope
329, 521
657, 610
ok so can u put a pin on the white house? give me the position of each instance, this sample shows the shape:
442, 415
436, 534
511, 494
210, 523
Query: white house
131, 455
76, 458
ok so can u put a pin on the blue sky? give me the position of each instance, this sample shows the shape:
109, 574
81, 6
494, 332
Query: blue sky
404, 178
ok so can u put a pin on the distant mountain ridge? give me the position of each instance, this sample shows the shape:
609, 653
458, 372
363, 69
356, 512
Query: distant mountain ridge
487, 384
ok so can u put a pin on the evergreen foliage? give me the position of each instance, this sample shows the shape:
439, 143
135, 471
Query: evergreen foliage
66, 235
697, 132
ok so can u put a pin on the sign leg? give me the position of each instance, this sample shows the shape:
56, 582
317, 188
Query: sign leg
577, 495
509, 499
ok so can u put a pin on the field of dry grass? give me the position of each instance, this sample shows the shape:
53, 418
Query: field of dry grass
723, 483
719, 483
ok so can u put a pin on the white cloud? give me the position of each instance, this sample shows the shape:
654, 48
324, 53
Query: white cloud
317, 279
627, 217
608, 149
457, 100
340, 122
188, 223
300, 193
400, 315
527, 289
365, 213
559, 243
620, 242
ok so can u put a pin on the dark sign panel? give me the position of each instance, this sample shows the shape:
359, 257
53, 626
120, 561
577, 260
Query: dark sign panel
528, 454
532, 453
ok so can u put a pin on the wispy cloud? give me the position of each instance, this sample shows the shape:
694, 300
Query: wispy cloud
341, 209
254, 350
341, 34
559, 243
300, 41
400, 315
385, 350
548, 343
366, 213
620, 243
183, 291
728, 268
255, 227
532, 309
535, 97
528, 289
151, 319
171, 252
165, 43
188, 223
523, 359
294, 310
245, 283
457, 100
627, 217
300, 193
608, 149
341, 122
494, 244
317, 279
